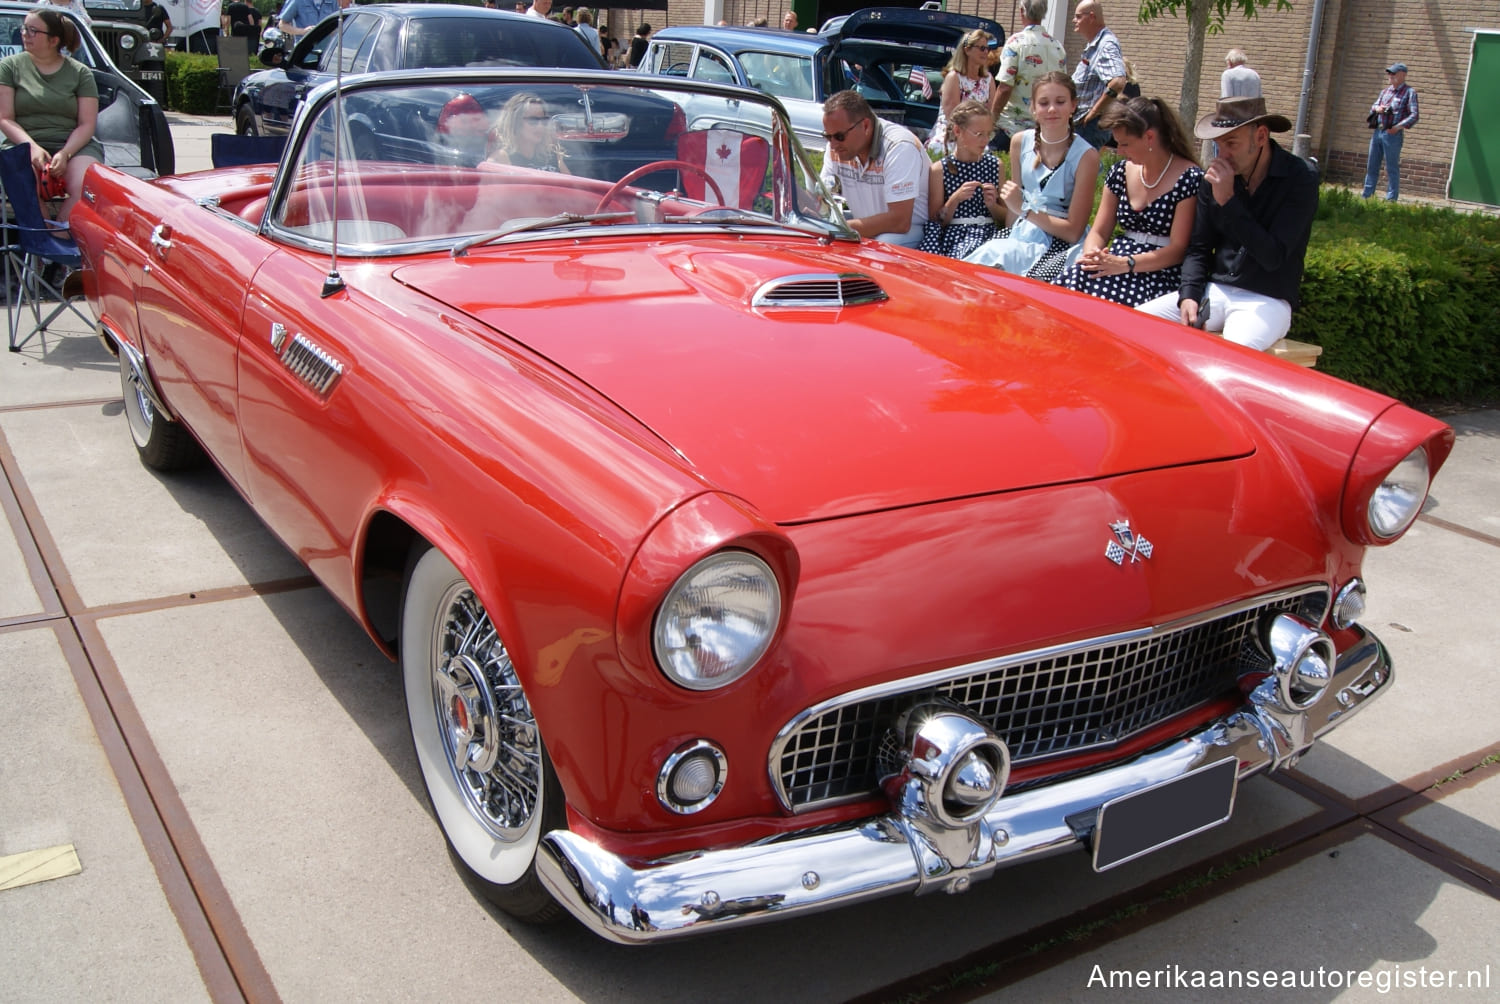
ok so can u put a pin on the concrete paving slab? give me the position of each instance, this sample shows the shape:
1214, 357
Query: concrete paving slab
200, 534
18, 596
1467, 821
1434, 603
106, 933
1364, 907
65, 363
293, 759
1466, 492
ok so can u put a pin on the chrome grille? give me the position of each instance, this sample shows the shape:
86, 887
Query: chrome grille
830, 290
1062, 700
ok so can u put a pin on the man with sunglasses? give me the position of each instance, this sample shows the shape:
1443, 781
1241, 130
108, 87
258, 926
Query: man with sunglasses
879, 168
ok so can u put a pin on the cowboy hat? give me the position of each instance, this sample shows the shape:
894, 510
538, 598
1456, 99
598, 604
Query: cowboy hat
1232, 113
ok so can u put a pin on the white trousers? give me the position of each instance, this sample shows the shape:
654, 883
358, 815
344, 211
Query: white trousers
1243, 317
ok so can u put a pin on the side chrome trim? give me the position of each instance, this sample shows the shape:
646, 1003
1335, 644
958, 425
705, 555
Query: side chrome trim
632, 901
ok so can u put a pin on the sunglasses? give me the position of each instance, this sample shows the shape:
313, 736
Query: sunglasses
535, 118
838, 137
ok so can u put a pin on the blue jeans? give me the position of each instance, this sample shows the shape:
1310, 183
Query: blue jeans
1092, 134
1384, 146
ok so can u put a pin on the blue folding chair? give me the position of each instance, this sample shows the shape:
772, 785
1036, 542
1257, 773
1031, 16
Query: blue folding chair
31, 243
229, 150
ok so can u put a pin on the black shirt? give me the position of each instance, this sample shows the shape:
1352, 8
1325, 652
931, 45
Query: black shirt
243, 18
156, 23
1254, 241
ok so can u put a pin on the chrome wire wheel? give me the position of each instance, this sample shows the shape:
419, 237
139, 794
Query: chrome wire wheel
480, 751
163, 445
489, 733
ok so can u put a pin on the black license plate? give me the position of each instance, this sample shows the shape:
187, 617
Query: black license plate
153, 74
1138, 823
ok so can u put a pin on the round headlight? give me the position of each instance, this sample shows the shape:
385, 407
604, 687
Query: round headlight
1399, 498
127, 42
717, 620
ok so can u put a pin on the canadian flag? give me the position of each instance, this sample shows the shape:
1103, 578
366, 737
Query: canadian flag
918, 76
736, 161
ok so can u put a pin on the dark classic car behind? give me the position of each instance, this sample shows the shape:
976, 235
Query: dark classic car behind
386, 37
738, 567
132, 126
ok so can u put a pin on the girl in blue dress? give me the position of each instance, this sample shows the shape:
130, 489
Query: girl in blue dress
964, 187
1050, 192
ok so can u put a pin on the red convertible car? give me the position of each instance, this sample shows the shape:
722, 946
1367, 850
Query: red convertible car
738, 567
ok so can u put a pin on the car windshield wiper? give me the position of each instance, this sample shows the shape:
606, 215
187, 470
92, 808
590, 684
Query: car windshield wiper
538, 223
738, 217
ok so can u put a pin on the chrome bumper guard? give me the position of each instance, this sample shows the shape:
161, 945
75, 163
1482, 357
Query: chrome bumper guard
823, 869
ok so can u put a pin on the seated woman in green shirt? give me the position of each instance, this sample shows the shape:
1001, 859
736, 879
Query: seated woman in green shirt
51, 102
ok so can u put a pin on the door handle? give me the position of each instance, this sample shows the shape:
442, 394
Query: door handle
161, 239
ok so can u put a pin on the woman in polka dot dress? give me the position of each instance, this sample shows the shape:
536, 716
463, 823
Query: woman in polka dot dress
1160, 174
964, 187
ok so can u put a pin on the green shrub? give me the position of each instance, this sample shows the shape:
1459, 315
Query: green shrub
192, 82
1404, 299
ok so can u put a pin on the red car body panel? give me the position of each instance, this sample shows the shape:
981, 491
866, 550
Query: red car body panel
932, 478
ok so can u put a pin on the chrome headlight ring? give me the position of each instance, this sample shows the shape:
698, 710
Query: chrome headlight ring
717, 620
1398, 500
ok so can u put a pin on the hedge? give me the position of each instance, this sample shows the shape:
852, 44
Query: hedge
192, 82
1403, 298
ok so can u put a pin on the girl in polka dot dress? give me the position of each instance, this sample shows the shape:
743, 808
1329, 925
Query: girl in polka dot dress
1160, 174
964, 187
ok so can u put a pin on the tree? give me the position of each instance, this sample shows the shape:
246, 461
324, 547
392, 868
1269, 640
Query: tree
1204, 18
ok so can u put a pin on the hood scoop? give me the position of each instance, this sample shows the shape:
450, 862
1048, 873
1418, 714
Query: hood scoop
844, 289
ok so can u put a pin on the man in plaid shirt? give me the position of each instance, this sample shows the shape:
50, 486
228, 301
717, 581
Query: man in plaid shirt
1394, 112
1100, 75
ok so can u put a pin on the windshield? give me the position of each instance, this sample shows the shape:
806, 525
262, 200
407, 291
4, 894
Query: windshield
436, 163
10, 36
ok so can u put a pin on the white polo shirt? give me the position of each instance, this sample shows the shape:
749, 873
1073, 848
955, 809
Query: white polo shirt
896, 171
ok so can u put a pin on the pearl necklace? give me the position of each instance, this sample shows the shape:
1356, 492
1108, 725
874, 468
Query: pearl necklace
1050, 142
1152, 184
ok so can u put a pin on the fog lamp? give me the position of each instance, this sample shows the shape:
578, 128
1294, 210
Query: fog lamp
1303, 659
692, 777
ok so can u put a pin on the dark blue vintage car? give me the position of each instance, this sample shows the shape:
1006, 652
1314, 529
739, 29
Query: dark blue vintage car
383, 38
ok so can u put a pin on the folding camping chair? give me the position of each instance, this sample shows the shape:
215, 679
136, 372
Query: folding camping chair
32, 243
225, 149
234, 66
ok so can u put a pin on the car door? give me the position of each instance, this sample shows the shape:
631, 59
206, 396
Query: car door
196, 264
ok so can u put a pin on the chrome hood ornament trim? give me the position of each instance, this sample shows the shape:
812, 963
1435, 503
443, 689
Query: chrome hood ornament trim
1126, 543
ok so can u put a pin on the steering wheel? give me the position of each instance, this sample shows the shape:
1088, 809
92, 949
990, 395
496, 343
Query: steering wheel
654, 166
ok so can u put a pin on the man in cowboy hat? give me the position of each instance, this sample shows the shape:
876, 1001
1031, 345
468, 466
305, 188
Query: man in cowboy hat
1255, 213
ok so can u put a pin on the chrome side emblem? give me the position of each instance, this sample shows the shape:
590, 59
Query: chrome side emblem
1126, 542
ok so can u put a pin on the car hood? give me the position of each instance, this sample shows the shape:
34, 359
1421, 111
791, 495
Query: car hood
905, 26
822, 412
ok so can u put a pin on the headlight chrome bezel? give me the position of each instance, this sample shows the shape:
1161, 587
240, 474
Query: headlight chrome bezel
1397, 501
671, 635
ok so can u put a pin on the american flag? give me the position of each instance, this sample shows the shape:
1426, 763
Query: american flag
918, 76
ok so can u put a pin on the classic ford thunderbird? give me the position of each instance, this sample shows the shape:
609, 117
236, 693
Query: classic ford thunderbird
739, 567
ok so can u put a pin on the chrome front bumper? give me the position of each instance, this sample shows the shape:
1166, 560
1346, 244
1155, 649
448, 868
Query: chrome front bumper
819, 870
